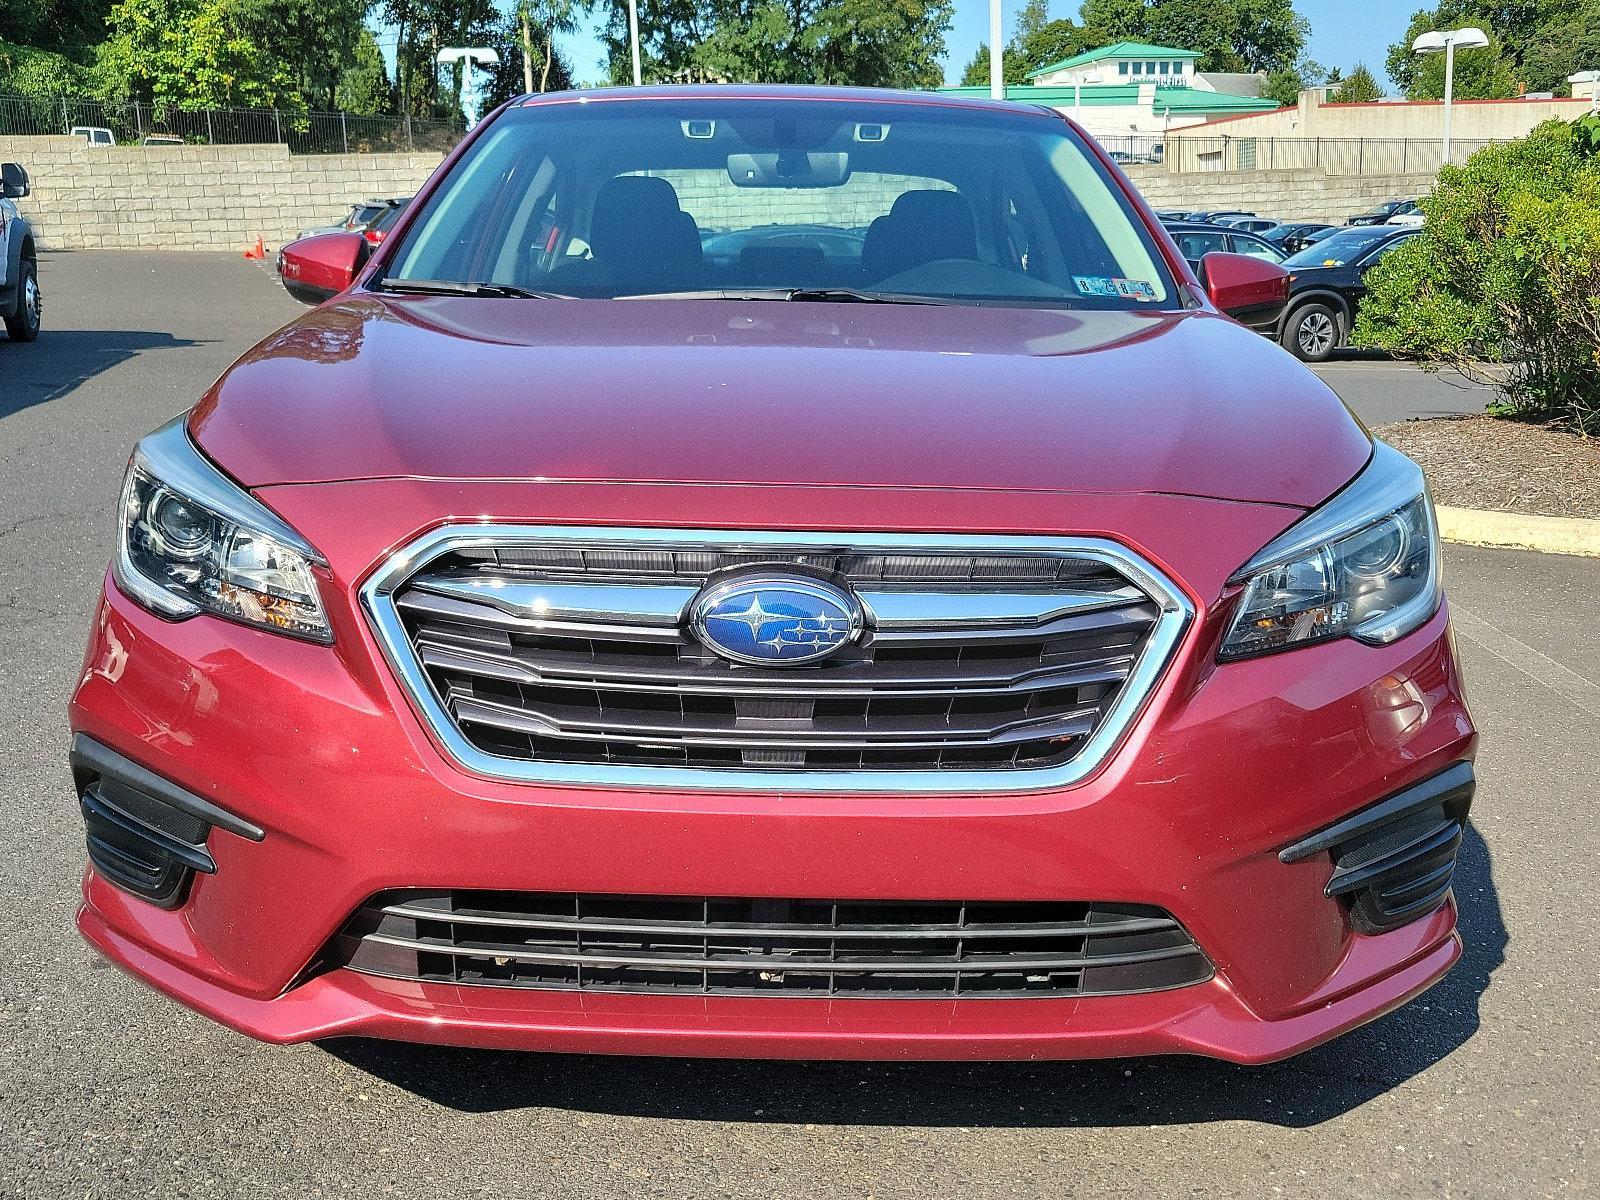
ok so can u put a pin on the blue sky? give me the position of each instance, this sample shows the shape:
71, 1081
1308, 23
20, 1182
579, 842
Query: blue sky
1343, 32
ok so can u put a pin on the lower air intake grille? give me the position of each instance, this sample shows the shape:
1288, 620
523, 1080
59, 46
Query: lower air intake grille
698, 946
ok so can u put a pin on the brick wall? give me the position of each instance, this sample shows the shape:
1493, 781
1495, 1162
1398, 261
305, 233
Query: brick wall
195, 197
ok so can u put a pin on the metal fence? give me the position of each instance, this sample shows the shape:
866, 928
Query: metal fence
304, 133
1330, 156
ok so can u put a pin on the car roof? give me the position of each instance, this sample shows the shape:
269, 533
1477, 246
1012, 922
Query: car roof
771, 91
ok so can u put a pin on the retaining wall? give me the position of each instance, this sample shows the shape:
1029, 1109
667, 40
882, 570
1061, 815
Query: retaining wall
224, 197
195, 197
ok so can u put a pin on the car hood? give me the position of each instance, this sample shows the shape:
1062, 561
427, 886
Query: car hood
776, 392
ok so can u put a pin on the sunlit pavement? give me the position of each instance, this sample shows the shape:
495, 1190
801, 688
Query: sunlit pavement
1484, 1087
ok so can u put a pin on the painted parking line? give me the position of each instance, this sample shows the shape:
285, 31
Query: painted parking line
1535, 664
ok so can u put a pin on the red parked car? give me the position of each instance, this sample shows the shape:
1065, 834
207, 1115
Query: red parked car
980, 646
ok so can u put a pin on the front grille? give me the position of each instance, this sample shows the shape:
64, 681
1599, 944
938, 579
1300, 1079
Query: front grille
565, 652
751, 947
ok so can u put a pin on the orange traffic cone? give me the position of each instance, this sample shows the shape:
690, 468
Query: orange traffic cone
256, 251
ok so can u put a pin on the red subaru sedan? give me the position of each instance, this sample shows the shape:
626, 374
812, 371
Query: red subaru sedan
775, 573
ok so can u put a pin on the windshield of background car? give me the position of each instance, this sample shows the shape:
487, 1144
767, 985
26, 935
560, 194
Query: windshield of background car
649, 197
1339, 248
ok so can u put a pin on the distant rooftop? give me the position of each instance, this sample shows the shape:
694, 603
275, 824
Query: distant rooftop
1167, 99
1118, 50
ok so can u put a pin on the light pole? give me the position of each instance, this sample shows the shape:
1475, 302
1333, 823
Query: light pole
1077, 92
633, 40
467, 56
1592, 78
997, 54
1446, 41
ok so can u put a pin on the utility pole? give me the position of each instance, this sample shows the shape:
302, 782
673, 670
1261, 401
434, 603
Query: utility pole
633, 38
997, 54
527, 52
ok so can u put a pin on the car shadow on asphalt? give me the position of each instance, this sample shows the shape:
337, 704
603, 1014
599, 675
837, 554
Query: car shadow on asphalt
1314, 1087
63, 360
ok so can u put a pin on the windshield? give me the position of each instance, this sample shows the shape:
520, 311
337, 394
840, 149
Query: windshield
765, 198
1339, 248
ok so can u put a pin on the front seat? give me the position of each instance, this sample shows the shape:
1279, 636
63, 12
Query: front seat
921, 227
641, 239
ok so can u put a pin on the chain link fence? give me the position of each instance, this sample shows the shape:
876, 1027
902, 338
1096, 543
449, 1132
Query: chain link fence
134, 124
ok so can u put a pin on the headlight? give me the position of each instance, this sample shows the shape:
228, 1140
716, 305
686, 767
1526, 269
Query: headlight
190, 541
1364, 565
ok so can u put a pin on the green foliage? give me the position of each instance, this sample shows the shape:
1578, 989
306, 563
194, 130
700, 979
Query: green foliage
1536, 42
1507, 270
195, 54
1232, 35
364, 86
876, 43
70, 28
40, 74
1359, 87
1285, 84
1036, 42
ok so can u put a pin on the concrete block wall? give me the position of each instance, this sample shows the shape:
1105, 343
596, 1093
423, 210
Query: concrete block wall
1300, 195
224, 197
195, 197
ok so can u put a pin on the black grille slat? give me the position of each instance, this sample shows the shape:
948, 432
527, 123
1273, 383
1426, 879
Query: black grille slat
716, 946
616, 688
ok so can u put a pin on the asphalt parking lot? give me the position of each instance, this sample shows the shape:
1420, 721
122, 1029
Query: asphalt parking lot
1484, 1087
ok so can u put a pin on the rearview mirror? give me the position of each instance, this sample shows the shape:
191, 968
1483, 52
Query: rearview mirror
13, 181
789, 169
1251, 290
318, 268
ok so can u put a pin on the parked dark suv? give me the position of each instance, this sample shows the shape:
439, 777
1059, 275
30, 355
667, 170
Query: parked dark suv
1327, 284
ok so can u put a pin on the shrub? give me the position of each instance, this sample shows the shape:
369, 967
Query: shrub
1506, 272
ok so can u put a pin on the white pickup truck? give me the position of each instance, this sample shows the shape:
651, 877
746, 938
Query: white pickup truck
21, 303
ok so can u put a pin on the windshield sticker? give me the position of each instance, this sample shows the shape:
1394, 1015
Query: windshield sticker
1115, 289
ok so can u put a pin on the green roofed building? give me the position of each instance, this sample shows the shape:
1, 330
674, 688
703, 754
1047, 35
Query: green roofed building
1131, 94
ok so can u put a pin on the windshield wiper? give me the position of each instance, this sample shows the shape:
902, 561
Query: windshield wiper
451, 287
856, 296
835, 295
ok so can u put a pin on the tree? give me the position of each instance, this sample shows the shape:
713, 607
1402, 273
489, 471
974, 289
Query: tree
1481, 74
1036, 41
1507, 269
1359, 87
194, 54
364, 86
877, 43
546, 18
1231, 35
1537, 43
1285, 84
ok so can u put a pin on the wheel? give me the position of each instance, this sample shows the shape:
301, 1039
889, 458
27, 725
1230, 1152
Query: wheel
23, 324
1312, 333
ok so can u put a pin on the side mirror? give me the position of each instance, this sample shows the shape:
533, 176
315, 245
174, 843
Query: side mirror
318, 268
1250, 290
13, 181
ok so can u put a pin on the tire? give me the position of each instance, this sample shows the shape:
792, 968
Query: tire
1314, 331
22, 325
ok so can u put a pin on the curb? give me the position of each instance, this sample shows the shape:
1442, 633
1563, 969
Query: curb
1549, 535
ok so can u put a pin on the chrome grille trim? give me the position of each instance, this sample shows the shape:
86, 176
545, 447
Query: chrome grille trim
1174, 614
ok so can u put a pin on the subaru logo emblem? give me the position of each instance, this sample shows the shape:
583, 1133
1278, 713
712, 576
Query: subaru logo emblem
775, 620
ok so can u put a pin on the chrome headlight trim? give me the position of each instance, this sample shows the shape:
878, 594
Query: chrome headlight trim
1386, 488
167, 462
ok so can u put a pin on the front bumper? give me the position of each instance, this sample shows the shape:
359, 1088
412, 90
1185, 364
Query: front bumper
1223, 771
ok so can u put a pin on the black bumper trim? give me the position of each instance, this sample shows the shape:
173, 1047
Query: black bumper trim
1394, 861
89, 756
1455, 783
